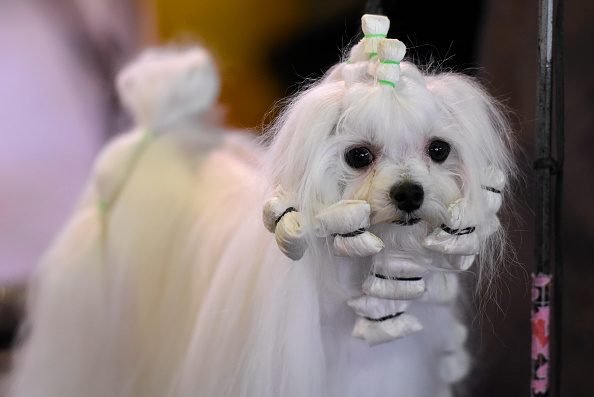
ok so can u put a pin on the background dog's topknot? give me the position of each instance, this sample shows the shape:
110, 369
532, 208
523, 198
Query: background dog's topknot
166, 87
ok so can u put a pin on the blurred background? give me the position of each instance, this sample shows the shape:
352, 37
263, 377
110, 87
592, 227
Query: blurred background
58, 107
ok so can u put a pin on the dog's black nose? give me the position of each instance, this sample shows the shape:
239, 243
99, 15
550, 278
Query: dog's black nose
408, 196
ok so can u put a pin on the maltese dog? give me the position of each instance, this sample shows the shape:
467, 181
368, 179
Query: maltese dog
321, 260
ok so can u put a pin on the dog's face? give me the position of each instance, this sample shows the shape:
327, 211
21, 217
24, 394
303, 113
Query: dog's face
406, 165
410, 151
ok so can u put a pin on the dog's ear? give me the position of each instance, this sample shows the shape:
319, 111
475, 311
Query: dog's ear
481, 134
482, 138
301, 151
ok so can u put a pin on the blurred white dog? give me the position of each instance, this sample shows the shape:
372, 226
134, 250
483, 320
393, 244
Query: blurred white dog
380, 184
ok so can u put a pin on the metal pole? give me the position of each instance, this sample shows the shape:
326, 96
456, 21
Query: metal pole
548, 202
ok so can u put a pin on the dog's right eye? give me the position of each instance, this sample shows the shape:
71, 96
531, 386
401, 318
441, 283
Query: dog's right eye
438, 150
358, 157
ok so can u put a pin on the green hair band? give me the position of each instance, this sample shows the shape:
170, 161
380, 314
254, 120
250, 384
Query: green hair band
387, 82
390, 62
102, 206
375, 35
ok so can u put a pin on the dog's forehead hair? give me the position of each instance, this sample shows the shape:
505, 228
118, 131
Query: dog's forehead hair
397, 122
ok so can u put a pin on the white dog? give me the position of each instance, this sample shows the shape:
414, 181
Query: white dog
380, 184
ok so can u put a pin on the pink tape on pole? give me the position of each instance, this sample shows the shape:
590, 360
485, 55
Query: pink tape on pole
541, 315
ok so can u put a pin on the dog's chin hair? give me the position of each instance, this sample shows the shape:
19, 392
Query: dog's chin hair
433, 213
404, 239
407, 220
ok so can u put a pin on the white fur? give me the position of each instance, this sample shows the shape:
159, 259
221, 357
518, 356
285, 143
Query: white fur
181, 291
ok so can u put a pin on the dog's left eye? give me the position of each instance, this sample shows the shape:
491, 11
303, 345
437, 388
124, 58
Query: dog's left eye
358, 157
438, 150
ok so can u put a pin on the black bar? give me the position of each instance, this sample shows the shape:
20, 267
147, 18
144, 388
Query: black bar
544, 114
549, 171
542, 169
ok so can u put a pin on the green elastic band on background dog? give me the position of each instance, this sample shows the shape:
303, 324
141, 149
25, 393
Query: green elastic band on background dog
102, 206
390, 62
387, 82
375, 35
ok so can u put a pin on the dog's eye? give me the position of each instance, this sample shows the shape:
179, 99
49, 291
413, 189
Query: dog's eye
358, 157
438, 150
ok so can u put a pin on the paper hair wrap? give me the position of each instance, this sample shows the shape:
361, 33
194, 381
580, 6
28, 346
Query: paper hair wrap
284, 221
375, 28
345, 221
391, 52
